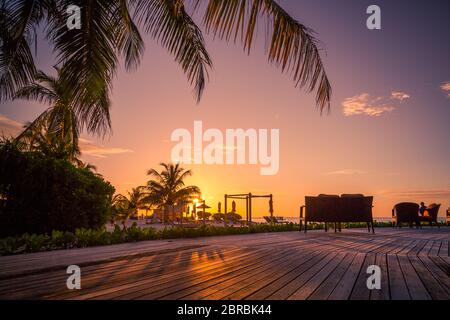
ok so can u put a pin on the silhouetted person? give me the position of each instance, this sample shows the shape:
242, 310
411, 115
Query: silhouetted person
422, 208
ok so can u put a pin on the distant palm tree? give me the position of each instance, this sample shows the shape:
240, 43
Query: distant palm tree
90, 167
89, 56
127, 206
56, 131
168, 187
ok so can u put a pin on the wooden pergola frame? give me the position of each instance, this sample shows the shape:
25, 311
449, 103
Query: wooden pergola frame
248, 203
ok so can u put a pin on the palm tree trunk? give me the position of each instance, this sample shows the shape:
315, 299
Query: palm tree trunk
166, 214
173, 214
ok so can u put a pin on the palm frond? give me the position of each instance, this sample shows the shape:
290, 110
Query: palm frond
42, 89
129, 40
89, 59
19, 20
168, 22
292, 46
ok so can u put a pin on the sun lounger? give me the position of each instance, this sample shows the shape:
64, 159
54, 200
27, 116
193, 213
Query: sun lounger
279, 220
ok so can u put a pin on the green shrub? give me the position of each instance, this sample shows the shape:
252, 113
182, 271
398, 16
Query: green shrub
40, 194
9, 245
117, 236
62, 240
133, 233
92, 237
36, 242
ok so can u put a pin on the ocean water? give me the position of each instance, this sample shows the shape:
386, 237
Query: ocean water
297, 219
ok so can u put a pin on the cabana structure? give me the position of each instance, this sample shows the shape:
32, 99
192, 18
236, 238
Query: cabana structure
248, 203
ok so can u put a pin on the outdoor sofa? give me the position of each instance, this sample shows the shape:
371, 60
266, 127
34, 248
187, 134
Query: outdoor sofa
337, 209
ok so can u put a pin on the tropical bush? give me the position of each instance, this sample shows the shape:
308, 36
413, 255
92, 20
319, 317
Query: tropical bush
40, 194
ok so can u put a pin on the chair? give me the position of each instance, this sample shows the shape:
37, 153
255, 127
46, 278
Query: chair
357, 208
433, 210
448, 216
323, 208
405, 212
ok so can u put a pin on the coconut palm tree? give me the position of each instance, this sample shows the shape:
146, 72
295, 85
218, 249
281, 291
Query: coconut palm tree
126, 206
88, 57
55, 132
110, 30
167, 188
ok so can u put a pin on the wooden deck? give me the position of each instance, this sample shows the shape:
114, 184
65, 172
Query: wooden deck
415, 264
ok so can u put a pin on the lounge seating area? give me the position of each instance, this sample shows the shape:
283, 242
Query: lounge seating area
337, 209
408, 212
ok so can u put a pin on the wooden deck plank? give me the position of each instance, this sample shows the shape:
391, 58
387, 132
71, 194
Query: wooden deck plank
246, 290
433, 287
441, 263
108, 269
129, 274
382, 293
313, 283
287, 290
437, 272
397, 284
224, 289
345, 286
325, 289
360, 290
416, 289
434, 251
415, 264
444, 249
274, 286
159, 285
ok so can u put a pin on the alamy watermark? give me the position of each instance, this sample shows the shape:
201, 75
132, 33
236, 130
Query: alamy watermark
236, 146
374, 280
374, 20
74, 280
74, 18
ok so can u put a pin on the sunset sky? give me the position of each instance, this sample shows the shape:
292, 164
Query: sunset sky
387, 135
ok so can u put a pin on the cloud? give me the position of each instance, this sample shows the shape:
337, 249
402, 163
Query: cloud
364, 104
445, 87
429, 193
345, 172
9, 127
88, 147
400, 96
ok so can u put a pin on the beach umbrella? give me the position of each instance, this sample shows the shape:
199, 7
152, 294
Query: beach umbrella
203, 206
219, 207
233, 206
